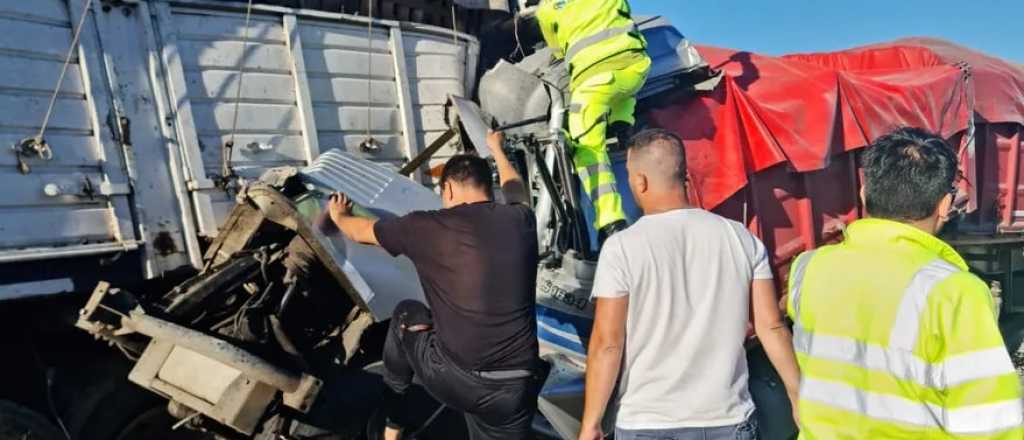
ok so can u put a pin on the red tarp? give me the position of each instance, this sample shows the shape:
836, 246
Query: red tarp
802, 109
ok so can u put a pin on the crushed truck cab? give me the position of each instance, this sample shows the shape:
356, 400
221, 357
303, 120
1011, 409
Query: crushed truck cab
268, 349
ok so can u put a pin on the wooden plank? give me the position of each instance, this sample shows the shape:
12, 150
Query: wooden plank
228, 55
221, 84
181, 107
23, 227
28, 74
36, 39
406, 107
301, 88
218, 117
211, 27
28, 111
352, 91
337, 62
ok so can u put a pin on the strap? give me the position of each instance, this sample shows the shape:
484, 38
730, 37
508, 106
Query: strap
505, 374
597, 38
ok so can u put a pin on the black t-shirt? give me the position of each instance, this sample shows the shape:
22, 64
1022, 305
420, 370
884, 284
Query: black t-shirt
478, 267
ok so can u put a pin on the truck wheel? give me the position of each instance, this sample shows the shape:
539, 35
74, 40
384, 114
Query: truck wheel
100, 404
20, 423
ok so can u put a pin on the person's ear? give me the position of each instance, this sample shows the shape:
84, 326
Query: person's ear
863, 199
643, 184
945, 206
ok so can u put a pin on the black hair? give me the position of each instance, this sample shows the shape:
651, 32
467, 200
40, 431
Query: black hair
470, 170
651, 136
907, 173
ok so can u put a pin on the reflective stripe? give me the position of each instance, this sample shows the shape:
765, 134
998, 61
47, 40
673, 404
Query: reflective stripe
962, 368
987, 418
974, 419
873, 405
603, 190
798, 279
596, 38
592, 170
915, 300
903, 364
575, 108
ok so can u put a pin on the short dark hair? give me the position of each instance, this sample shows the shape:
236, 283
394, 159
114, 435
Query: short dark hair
467, 169
676, 151
907, 173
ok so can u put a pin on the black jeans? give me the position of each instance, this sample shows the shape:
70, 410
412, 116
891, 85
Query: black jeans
493, 408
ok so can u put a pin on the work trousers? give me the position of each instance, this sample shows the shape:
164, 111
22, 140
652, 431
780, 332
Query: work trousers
743, 431
599, 101
495, 409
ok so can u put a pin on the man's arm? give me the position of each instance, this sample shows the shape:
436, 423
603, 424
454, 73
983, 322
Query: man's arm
775, 337
981, 391
604, 359
357, 229
512, 185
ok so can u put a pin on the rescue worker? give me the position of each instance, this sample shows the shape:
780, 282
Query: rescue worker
608, 64
895, 338
475, 349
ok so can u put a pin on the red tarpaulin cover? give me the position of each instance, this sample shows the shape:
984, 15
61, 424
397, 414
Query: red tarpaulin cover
802, 109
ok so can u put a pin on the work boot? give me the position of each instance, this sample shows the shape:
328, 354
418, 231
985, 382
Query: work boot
609, 230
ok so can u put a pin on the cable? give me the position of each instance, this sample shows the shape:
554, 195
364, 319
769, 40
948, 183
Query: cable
64, 69
455, 28
369, 76
228, 149
515, 32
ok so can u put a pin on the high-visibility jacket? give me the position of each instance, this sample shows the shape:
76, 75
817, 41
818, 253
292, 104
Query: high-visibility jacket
591, 32
897, 340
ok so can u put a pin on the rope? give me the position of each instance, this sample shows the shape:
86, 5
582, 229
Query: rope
226, 170
63, 71
455, 28
369, 72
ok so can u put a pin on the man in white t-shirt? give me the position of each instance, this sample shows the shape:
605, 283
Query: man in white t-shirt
674, 293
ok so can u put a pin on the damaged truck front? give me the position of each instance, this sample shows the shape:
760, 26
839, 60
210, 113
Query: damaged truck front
272, 336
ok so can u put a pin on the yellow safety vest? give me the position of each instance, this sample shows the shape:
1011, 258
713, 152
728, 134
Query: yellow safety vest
897, 340
589, 32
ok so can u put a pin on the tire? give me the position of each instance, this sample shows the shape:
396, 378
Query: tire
20, 423
98, 403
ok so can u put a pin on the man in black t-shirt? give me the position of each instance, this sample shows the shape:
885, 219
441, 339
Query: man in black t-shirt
475, 348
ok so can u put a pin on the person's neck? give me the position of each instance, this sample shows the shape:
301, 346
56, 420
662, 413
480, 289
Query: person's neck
667, 202
469, 199
927, 225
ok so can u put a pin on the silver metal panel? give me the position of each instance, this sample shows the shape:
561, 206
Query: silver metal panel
35, 39
353, 90
161, 208
380, 279
438, 66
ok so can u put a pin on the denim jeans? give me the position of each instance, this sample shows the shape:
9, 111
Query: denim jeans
744, 431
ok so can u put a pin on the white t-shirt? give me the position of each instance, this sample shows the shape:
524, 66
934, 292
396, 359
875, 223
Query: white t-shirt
688, 274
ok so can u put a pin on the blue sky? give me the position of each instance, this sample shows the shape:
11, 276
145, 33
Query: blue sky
784, 26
